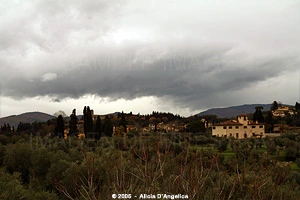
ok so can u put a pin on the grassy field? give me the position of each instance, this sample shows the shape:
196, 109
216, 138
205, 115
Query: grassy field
230, 153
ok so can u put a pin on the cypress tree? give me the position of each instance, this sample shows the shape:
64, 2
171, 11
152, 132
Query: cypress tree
88, 121
258, 116
59, 129
297, 106
73, 123
274, 105
107, 127
269, 122
98, 128
84, 121
123, 122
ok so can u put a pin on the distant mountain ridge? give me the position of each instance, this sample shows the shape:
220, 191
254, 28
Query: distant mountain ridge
226, 112
28, 117
234, 111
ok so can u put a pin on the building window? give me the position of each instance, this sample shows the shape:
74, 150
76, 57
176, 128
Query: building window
237, 135
230, 134
236, 127
245, 127
214, 127
224, 127
245, 118
261, 126
253, 126
230, 127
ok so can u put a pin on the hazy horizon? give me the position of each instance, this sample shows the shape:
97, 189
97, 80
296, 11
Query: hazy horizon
80, 111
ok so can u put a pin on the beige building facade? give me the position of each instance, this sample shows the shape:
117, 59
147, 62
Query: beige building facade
241, 128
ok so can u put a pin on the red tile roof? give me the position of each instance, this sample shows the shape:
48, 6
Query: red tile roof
226, 123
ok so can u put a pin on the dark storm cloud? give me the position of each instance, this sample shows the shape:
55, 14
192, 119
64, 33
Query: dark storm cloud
186, 80
68, 49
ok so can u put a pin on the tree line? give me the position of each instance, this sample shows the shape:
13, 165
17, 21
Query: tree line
91, 128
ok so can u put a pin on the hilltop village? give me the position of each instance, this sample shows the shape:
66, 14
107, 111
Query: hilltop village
279, 119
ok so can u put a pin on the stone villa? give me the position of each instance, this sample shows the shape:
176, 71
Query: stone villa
241, 128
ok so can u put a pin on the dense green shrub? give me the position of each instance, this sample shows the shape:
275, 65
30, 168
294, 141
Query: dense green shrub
221, 144
52, 168
290, 154
271, 146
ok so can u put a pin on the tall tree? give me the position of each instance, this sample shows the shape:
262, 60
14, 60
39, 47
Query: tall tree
297, 106
107, 127
59, 129
123, 122
88, 121
84, 121
274, 105
6, 128
269, 122
98, 128
73, 123
196, 126
258, 116
23, 127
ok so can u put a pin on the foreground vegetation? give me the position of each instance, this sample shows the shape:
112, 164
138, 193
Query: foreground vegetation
171, 163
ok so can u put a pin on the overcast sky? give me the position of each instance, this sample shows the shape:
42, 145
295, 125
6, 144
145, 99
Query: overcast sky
174, 55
